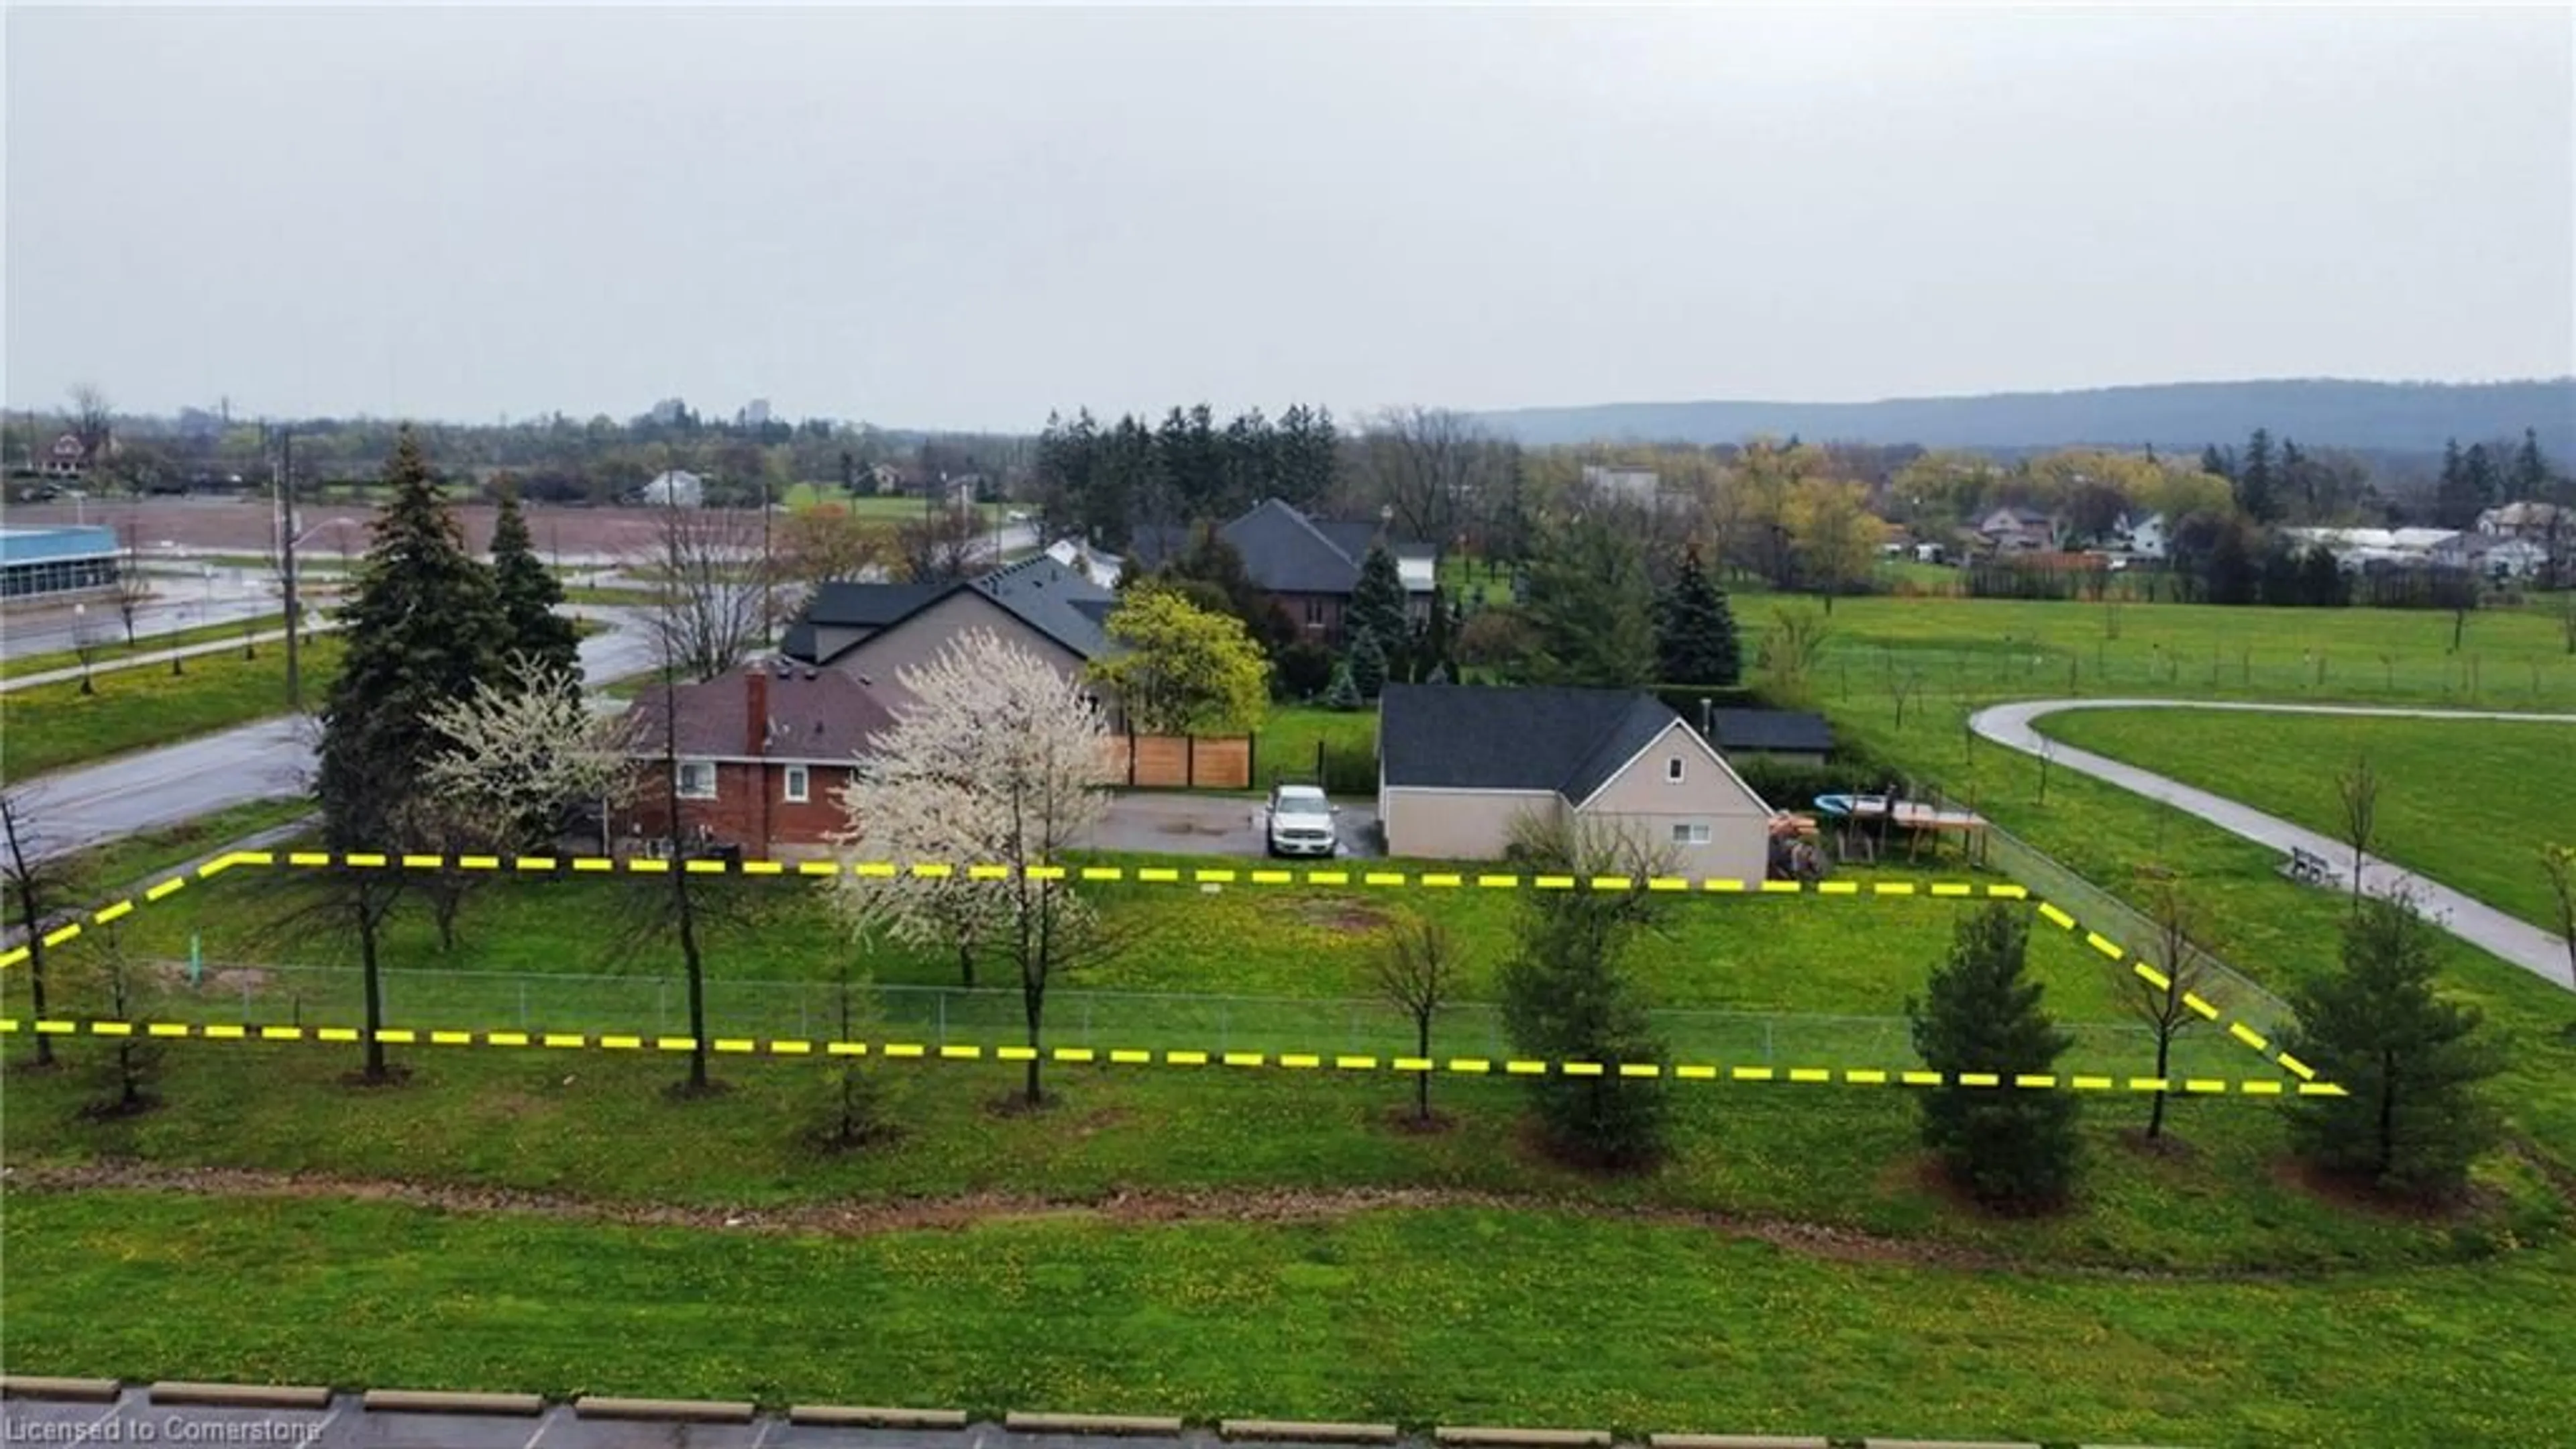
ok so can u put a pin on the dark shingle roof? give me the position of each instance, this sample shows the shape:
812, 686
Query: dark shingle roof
1054, 600
1050, 598
1771, 729
1468, 737
814, 714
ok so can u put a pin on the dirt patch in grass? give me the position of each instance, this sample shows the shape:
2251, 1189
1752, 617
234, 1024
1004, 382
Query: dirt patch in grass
2352, 1194
1351, 918
860, 1219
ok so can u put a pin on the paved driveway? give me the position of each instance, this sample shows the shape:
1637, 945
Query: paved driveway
1211, 825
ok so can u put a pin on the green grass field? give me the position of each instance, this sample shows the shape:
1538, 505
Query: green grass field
52, 726
117, 648
2466, 802
1328, 1263
875, 508
1293, 733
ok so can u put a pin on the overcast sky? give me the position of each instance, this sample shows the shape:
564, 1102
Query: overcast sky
965, 218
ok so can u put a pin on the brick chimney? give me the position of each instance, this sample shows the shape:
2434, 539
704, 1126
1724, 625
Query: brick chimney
756, 725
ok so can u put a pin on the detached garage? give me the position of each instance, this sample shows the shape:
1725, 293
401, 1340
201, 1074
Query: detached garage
1458, 765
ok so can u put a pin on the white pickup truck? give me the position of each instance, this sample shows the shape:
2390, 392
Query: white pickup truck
1299, 821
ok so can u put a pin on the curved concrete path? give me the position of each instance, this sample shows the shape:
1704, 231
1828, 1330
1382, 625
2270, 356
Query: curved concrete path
2472, 920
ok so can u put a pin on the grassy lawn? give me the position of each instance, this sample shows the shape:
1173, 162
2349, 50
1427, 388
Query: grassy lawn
1819, 1283
2466, 802
877, 508
51, 726
1468, 580
148, 644
116, 867
1457, 1315
612, 598
1290, 737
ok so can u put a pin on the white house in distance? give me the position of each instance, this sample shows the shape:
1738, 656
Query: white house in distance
676, 488
2018, 530
1639, 486
1100, 568
1460, 765
2142, 539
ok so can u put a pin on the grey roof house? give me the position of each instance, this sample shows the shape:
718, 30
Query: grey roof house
1460, 765
872, 632
1308, 566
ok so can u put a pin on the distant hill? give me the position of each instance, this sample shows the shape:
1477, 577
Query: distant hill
2398, 417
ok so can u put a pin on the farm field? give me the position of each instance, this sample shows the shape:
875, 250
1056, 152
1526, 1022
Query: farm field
874, 508
2466, 802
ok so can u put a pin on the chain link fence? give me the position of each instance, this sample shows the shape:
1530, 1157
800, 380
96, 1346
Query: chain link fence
1101, 1020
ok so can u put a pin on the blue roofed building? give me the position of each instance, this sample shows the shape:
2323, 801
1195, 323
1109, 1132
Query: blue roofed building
40, 562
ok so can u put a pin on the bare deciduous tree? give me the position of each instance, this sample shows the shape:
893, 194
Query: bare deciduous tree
130, 590
2186, 970
37, 888
828, 544
1416, 971
93, 419
707, 609
998, 760
941, 546
2358, 790
1428, 467
89, 640
2558, 863
126, 989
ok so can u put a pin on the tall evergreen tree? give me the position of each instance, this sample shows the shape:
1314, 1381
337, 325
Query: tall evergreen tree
1568, 995
529, 595
1368, 664
2481, 484
2011, 1148
1309, 449
2256, 483
1590, 607
1695, 641
2215, 462
2454, 505
1377, 607
419, 629
1435, 646
2411, 1119
2529, 476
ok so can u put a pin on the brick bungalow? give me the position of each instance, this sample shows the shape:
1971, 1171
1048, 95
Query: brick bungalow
763, 754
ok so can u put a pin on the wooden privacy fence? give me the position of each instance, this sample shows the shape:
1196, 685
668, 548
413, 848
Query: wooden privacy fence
1182, 762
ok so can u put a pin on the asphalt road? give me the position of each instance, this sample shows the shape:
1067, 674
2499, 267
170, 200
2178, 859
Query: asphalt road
71, 809
1211, 825
2464, 916
179, 601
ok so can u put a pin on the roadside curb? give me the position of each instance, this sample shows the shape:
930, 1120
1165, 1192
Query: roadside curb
79, 1391
684, 1411
1738, 1441
241, 1396
1310, 1433
435, 1401
1149, 1424
849, 1416
1484, 1437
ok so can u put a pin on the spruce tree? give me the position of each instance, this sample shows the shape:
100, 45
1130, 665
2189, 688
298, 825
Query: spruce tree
1437, 641
2255, 482
2411, 1120
2012, 1148
2216, 463
1377, 606
1368, 665
2529, 478
1590, 607
529, 596
1344, 692
1695, 640
421, 627
1568, 996
2480, 483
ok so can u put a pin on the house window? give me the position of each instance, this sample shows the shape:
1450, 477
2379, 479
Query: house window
797, 783
1673, 770
1314, 613
1690, 833
697, 779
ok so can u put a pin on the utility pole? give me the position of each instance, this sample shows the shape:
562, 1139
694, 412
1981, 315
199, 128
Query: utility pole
285, 475
768, 605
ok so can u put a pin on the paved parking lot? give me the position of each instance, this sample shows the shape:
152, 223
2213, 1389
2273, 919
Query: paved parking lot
1213, 825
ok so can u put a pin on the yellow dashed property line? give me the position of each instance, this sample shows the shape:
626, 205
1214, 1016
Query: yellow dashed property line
2056, 917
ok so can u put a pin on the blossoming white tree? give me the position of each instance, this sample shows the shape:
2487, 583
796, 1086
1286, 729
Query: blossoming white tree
998, 761
515, 757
